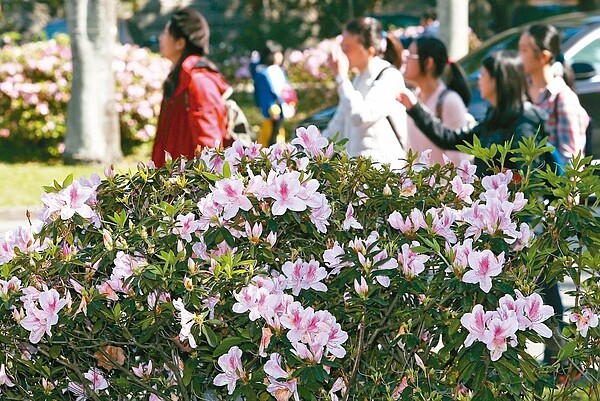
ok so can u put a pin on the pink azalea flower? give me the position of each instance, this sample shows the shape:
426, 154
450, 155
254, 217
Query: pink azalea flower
361, 289
338, 385
442, 223
484, 265
412, 263
333, 260
40, 321
273, 367
475, 323
311, 139
98, 382
253, 233
350, 221
466, 171
143, 371
127, 265
254, 300
282, 391
187, 321
4, 379
75, 197
536, 312
302, 276
319, 215
399, 223
231, 364
185, 226
584, 320
230, 194
463, 191
285, 190
265, 340
400, 388
497, 335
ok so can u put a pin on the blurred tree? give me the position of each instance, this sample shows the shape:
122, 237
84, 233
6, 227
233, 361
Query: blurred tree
92, 120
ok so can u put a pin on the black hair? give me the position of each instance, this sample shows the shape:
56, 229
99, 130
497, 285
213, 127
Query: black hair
368, 32
430, 47
430, 13
547, 37
190, 25
393, 50
506, 68
268, 52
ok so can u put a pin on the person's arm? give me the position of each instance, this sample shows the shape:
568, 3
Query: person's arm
571, 123
442, 136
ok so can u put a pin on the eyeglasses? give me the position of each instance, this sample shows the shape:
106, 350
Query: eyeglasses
413, 56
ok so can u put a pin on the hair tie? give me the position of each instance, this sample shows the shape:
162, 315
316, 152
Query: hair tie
384, 34
449, 61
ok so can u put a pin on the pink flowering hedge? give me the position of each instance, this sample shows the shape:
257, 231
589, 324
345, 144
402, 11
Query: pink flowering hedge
35, 81
297, 273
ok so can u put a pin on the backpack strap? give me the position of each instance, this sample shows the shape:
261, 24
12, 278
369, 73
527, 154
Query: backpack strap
388, 117
440, 103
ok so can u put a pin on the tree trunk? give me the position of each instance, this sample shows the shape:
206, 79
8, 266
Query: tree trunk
454, 26
92, 121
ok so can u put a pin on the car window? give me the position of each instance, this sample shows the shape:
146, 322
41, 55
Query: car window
589, 54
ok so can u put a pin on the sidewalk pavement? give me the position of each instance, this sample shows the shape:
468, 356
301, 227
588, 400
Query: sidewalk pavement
14, 216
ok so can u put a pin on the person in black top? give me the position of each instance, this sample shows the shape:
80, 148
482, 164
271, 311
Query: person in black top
502, 83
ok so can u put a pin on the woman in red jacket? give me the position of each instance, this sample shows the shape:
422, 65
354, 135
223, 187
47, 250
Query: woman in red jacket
193, 113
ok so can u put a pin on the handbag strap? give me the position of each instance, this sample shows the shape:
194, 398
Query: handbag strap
388, 117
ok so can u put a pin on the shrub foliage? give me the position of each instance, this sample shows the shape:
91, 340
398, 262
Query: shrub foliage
296, 272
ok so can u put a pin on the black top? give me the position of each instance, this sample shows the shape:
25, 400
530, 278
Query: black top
529, 122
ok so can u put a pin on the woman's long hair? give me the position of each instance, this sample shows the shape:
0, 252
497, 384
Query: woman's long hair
186, 23
368, 32
506, 68
547, 37
430, 47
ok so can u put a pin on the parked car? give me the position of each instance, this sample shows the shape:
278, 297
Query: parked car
580, 45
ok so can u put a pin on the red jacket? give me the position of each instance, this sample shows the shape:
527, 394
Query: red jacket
194, 116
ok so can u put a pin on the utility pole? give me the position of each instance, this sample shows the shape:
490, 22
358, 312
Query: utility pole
454, 26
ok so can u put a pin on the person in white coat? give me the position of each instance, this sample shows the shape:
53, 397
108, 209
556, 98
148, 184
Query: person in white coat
367, 113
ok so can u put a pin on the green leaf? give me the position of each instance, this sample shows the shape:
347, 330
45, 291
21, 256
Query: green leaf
210, 335
567, 351
226, 344
54, 351
189, 369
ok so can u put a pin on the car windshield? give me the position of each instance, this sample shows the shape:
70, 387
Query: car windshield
472, 62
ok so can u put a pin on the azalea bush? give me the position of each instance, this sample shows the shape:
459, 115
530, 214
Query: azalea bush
35, 81
296, 272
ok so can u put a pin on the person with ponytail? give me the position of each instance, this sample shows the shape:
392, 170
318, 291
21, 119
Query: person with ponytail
426, 63
367, 114
550, 82
511, 117
193, 114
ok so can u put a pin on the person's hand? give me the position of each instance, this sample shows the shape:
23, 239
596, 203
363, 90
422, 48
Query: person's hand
407, 98
338, 62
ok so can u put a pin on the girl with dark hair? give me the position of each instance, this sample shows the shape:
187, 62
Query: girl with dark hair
193, 113
272, 92
367, 114
550, 88
511, 116
426, 63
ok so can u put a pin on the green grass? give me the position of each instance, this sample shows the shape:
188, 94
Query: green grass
22, 183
